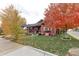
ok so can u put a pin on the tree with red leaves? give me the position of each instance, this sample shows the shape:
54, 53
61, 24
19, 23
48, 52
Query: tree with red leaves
62, 16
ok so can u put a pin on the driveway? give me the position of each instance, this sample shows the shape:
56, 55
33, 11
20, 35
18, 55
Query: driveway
8, 48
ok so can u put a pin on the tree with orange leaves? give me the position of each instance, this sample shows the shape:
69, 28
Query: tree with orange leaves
62, 16
12, 22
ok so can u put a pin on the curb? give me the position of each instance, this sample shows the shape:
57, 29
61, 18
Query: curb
44, 52
73, 34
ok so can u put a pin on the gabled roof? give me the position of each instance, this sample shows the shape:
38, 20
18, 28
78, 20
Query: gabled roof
36, 24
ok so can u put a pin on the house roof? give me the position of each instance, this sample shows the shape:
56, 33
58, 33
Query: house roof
36, 24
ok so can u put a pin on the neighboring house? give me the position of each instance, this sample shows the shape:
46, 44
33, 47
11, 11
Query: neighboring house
39, 28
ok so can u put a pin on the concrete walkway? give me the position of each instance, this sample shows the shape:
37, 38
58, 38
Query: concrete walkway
8, 48
74, 34
29, 51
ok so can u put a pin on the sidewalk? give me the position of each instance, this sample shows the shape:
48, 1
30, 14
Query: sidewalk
8, 48
74, 34
29, 51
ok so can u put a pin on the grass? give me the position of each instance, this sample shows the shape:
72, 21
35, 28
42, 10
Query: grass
59, 44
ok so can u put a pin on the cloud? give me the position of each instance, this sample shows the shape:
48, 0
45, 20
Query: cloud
31, 9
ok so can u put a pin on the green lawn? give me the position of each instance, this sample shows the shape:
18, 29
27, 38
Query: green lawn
56, 44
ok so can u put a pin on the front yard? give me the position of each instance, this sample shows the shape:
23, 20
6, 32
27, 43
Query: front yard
56, 44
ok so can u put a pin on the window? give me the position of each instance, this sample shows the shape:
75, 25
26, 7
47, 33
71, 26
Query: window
46, 29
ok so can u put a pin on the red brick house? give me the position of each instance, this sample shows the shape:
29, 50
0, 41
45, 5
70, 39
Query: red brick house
47, 31
39, 28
